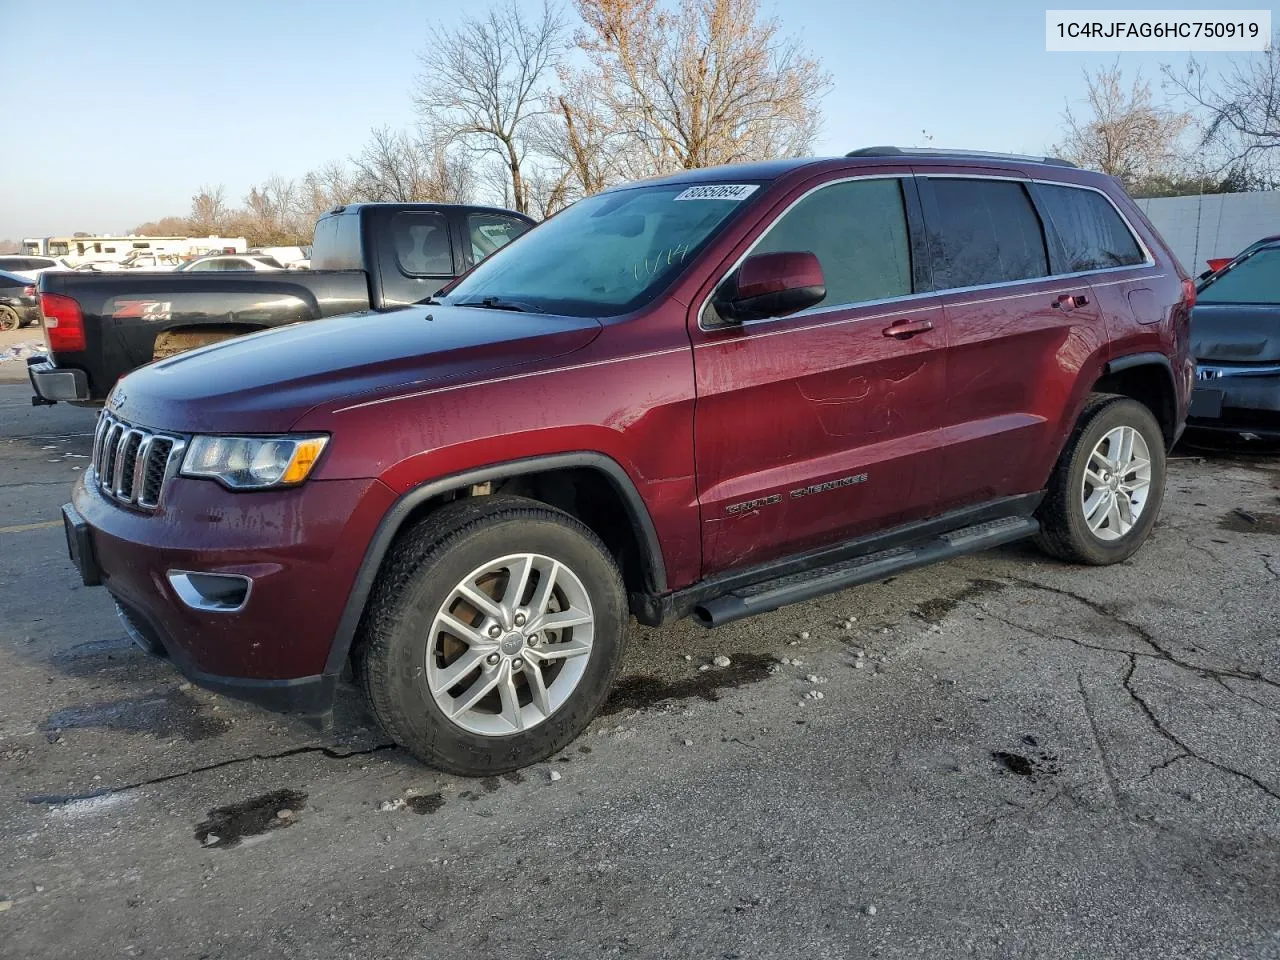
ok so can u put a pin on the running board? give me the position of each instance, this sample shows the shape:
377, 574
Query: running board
772, 594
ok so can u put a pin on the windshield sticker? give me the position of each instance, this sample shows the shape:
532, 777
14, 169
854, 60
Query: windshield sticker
719, 191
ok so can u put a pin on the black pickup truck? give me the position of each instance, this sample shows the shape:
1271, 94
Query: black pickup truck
371, 256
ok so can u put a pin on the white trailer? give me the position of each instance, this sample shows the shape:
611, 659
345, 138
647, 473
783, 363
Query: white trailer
115, 249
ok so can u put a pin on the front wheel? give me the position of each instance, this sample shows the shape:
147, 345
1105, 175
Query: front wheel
494, 635
1106, 490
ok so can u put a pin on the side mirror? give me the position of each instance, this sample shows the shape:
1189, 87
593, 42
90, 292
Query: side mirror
771, 285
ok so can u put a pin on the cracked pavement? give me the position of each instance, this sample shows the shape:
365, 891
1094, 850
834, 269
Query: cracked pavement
1033, 760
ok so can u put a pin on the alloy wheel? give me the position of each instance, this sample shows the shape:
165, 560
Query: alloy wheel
510, 644
1117, 480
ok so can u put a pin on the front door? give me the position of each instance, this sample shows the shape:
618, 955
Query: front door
815, 428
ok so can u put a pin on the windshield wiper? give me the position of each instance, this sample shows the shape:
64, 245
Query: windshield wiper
497, 303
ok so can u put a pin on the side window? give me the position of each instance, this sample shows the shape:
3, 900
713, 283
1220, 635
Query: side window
422, 244
1093, 234
490, 232
858, 232
987, 232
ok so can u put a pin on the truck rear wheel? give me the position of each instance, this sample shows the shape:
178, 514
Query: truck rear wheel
1106, 489
493, 635
9, 319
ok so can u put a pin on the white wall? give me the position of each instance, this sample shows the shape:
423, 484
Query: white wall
1213, 225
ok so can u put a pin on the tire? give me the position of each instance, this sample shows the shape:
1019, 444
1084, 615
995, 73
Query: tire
9, 319
1066, 532
406, 652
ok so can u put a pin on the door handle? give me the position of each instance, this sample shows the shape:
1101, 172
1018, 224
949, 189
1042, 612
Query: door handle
906, 329
1069, 301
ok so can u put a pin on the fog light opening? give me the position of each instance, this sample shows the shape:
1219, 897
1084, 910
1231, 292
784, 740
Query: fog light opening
211, 592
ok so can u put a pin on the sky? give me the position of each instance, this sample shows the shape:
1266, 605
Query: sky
119, 111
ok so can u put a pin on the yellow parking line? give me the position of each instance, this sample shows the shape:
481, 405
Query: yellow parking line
24, 527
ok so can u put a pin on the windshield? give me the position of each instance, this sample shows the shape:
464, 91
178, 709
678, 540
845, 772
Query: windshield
1255, 280
606, 255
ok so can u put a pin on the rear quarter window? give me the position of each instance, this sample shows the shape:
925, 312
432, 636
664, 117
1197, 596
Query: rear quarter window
984, 232
1093, 235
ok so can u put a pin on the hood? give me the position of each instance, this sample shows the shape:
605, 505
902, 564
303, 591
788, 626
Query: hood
1236, 333
263, 382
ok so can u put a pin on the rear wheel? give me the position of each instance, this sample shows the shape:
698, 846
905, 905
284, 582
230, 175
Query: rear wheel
9, 319
1106, 490
494, 635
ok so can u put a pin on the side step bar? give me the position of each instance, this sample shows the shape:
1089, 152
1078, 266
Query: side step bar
772, 594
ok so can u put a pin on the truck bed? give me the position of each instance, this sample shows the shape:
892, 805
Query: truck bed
131, 318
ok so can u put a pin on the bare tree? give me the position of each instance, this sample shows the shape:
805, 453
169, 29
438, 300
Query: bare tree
165, 227
548, 189
1126, 134
710, 83
396, 166
451, 179
483, 82
272, 213
209, 210
1240, 111
327, 187
581, 138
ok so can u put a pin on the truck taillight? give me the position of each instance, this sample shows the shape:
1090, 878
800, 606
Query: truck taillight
29, 290
1189, 293
63, 323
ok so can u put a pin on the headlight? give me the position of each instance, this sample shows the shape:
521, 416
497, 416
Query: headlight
253, 463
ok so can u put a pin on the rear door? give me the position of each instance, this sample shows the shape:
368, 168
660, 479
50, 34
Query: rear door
1018, 335
416, 254
1094, 239
816, 427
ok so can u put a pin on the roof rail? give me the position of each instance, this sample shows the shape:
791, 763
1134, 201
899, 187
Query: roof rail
958, 154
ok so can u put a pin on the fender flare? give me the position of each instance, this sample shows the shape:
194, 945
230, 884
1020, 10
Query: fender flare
642, 524
1142, 360
1134, 360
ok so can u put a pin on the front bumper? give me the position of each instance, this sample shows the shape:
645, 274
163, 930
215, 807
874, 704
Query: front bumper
1236, 400
52, 384
310, 696
300, 549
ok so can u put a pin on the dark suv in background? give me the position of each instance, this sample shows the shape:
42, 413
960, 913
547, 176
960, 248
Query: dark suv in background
1235, 338
711, 395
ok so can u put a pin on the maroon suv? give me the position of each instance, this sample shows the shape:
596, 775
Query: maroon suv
712, 394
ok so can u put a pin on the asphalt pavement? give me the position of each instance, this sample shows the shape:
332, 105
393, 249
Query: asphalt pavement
1009, 757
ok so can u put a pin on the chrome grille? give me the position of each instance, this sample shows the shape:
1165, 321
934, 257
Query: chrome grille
132, 465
